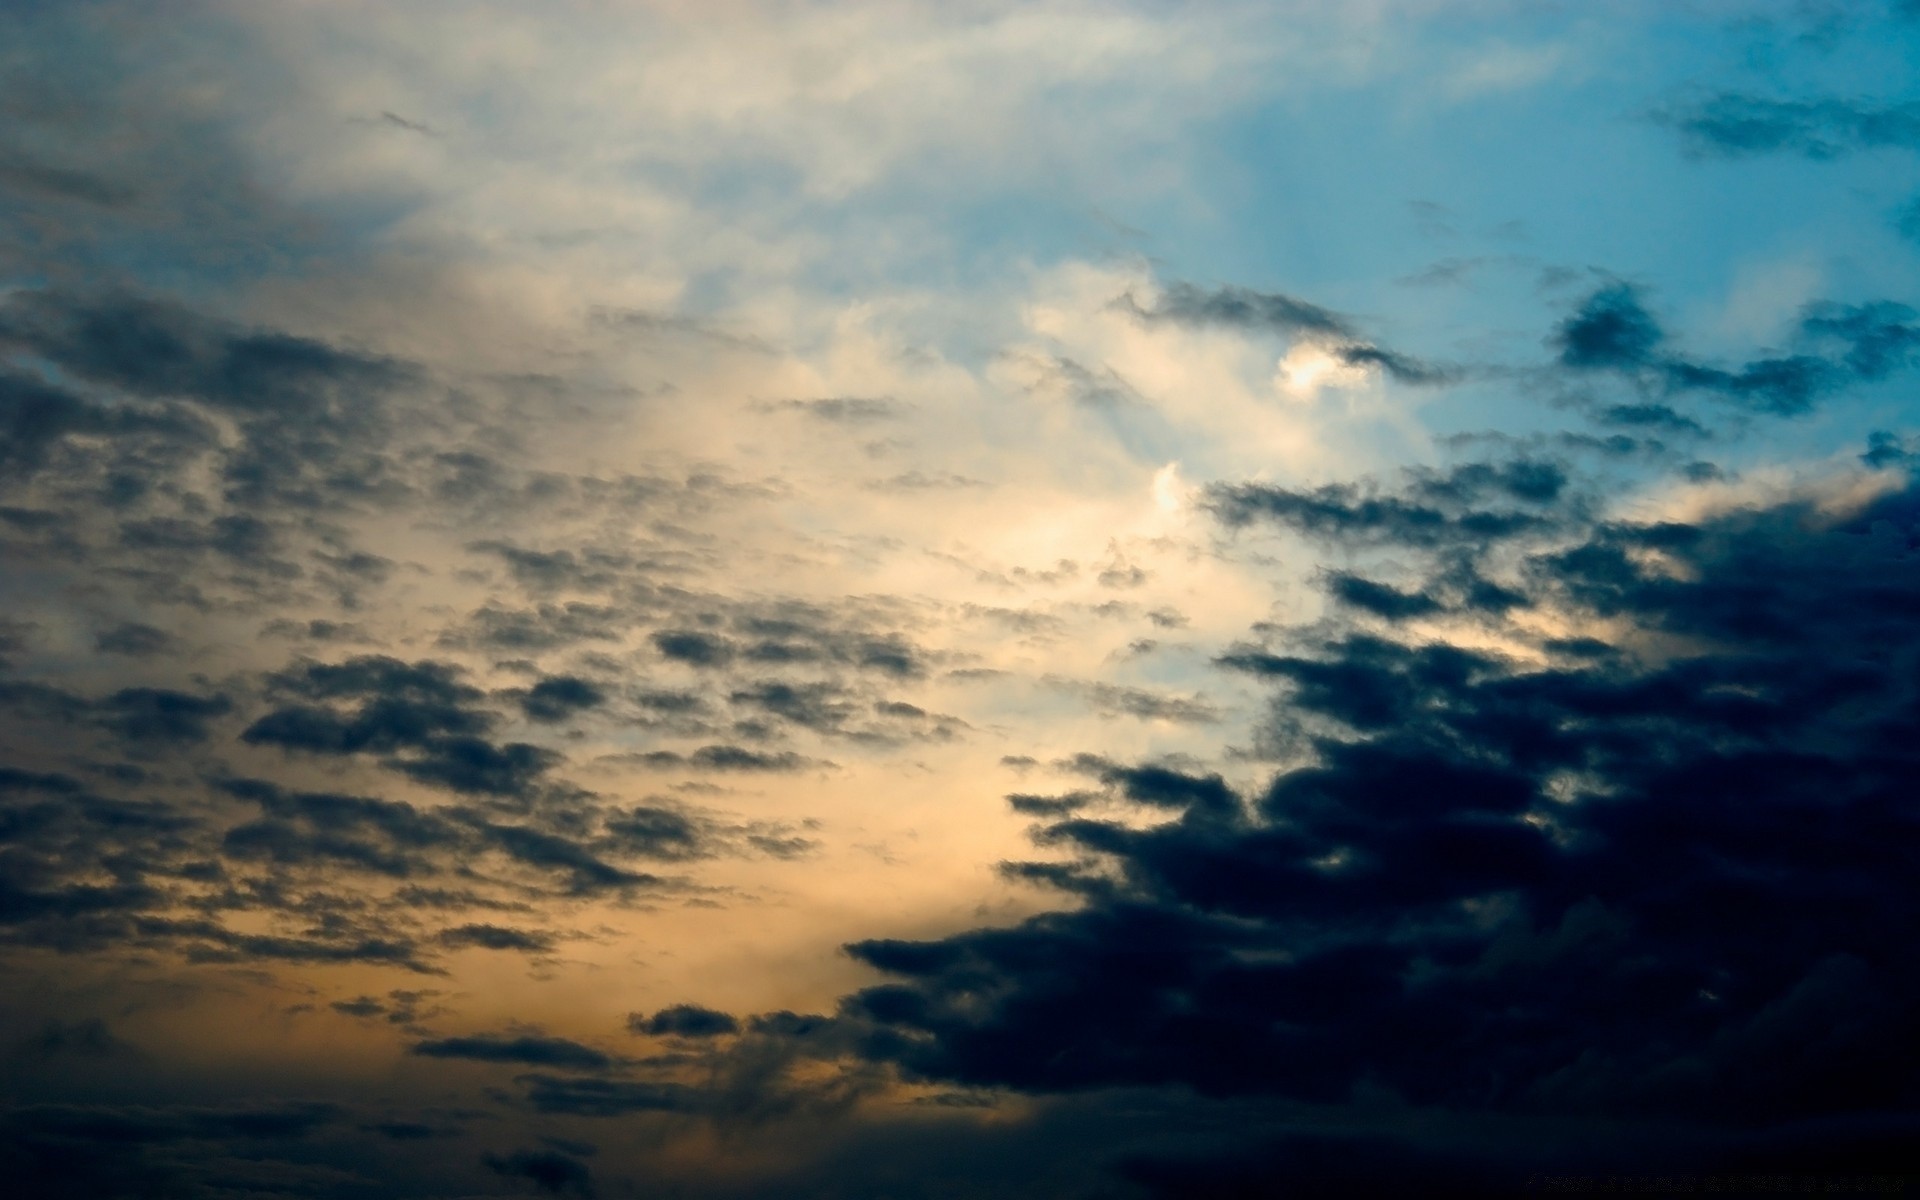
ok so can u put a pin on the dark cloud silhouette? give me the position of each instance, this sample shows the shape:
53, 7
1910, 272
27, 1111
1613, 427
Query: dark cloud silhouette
399, 840
528, 1049
87, 1038
1401, 368
1886, 449
1620, 887
1613, 331
733, 758
684, 1020
495, 937
130, 1150
157, 348
144, 717
1382, 600
560, 697
590, 1096
1244, 308
22, 173
133, 639
693, 647
1277, 312
548, 1170
1354, 515
1733, 124
419, 714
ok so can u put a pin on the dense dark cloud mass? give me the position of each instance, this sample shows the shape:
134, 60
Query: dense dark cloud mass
1664, 876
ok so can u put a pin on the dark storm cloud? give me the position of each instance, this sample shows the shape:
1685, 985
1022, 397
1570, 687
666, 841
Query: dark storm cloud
1277, 312
36, 418
133, 639
733, 758
396, 839
560, 697
1613, 331
1382, 600
131, 1126
308, 828
22, 173
548, 1170
15, 635
142, 716
1886, 449
155, 348
209, 942
1349, 514
1455, 585
693, 647
1401, 368
796, 632
526, 1049
103, 1150
495, 937
87, 1038
312, 417
1734, 125
1244, 308
182, 459
1878, 338
652, 831
590, 1096
430, 724
1668, 888
541, 627
821, 707
1535, 481
684, 1020
550, 570
1049, 806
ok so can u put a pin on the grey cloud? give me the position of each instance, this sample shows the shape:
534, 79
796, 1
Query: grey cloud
1346, 512
1613, 331
734, 758
841, 409
495, 937
560, 697
1277, 312
548, 1170
1244, 308
133, 639
1117, 700
684, 1020
525, 1049
1733, 124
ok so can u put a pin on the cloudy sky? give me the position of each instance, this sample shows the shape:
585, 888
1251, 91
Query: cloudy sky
1051, 599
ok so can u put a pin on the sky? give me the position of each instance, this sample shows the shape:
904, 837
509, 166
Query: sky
1117, 601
